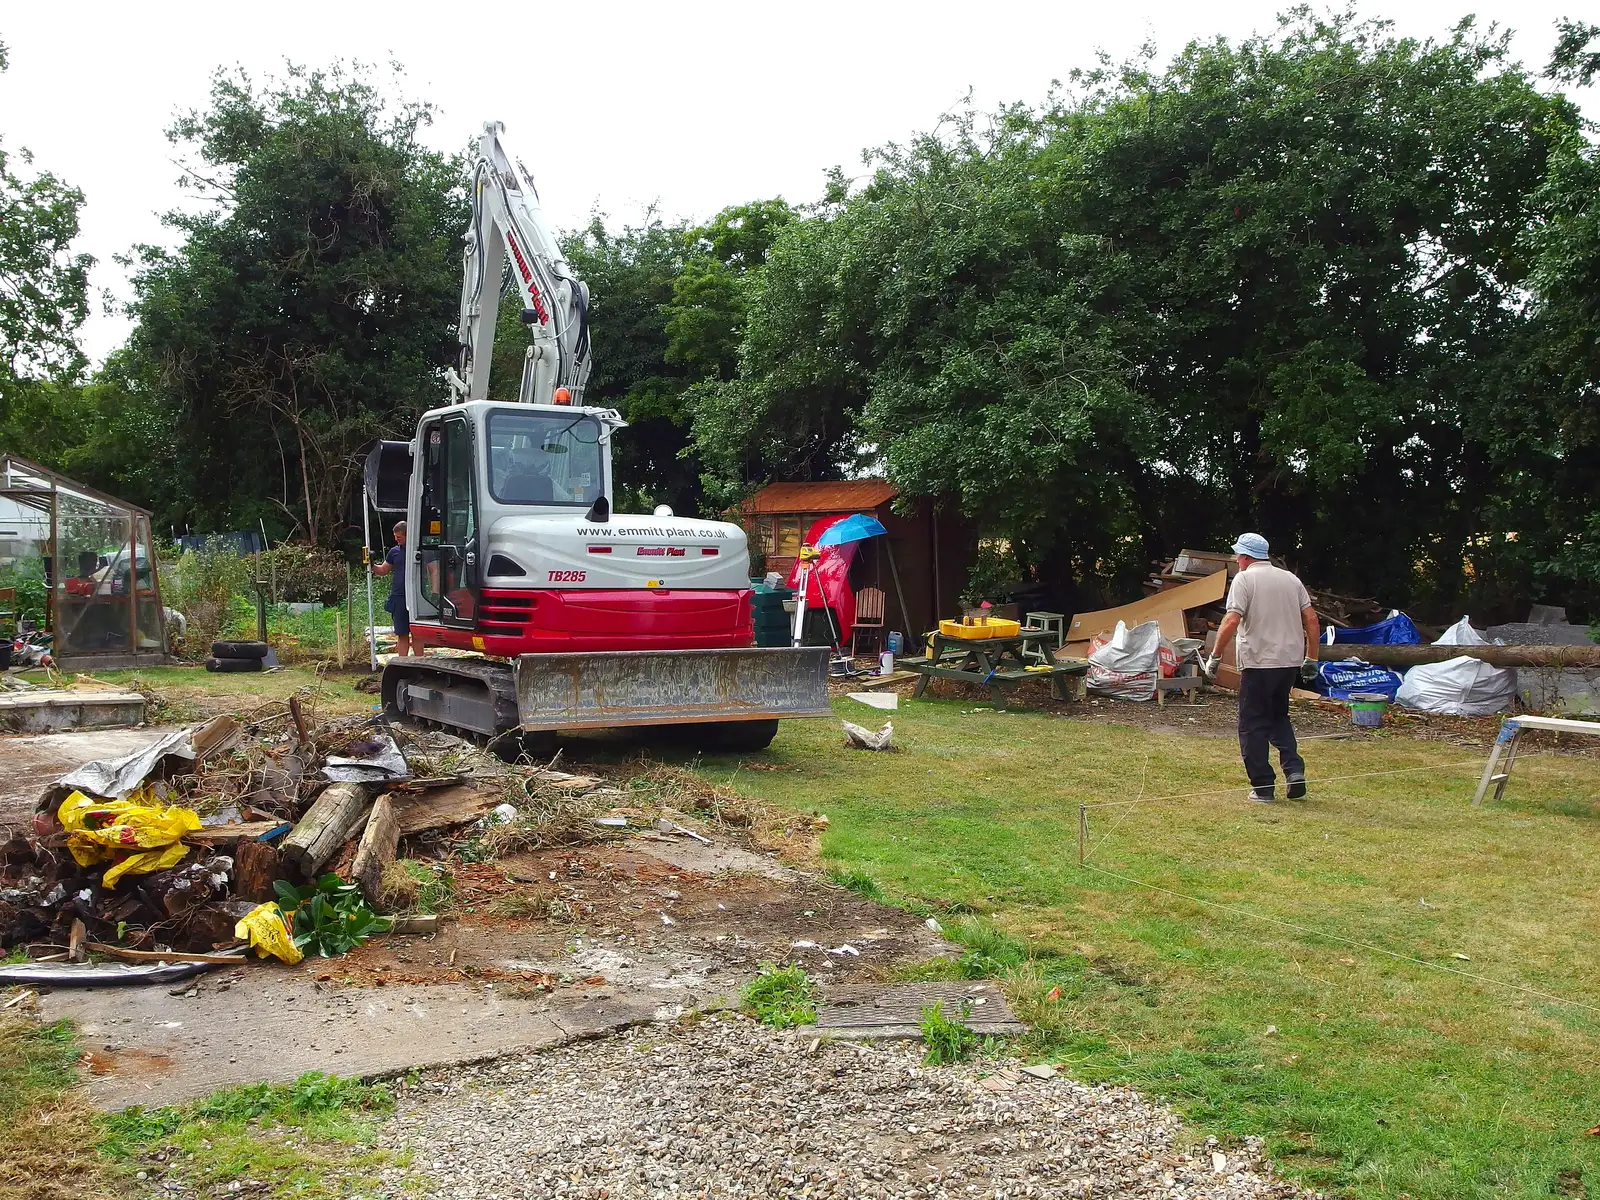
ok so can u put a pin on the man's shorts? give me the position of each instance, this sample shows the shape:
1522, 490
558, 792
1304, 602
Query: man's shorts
402, 623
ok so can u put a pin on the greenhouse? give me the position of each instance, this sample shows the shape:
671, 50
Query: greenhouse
82, 565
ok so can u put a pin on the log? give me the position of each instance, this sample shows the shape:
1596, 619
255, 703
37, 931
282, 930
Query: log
1495, 656
325, 827
377, 848
256, 867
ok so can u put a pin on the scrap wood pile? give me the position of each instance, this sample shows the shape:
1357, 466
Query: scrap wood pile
1175, 624
1343, 612
243, 832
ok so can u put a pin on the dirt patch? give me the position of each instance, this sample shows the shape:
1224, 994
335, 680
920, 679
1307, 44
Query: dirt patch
628, 913
625, 934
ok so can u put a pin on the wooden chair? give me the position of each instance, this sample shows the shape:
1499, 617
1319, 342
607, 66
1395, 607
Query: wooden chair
869, 616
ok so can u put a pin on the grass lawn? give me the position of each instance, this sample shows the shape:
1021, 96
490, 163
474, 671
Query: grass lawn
191, 693
1369, 1075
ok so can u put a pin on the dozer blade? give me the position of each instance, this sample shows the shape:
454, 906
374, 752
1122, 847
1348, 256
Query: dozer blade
665, 687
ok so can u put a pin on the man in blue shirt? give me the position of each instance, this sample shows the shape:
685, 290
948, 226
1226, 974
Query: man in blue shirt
395, 563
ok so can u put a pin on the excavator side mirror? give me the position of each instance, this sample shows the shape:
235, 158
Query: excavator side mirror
529, 316
599, 512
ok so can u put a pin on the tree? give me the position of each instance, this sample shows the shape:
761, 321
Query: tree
310, 308
1280, 284
667, 305
44, 299
1548, 450
630, 276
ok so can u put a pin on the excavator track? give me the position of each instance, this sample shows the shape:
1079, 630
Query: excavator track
473, 697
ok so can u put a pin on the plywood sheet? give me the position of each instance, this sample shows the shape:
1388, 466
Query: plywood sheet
1167, 607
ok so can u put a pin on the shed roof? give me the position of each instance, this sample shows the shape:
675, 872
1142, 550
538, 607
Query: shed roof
20, 478
845, 495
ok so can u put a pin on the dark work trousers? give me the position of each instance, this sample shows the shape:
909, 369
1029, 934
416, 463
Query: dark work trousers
1264, 720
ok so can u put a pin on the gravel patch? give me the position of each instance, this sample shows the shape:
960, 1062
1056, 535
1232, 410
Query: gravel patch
725, 1107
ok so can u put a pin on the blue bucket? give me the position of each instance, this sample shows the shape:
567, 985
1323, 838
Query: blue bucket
1367, 709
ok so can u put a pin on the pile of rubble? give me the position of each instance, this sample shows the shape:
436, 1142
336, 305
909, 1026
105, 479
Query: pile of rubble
182, 851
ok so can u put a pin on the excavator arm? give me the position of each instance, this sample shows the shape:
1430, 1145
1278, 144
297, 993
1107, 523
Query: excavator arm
508, 226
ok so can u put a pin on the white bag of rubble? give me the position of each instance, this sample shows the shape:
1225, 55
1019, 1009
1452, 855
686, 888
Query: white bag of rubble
1460, 687
1127, 665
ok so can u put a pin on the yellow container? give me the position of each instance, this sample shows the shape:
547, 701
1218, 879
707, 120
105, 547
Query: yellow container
981, 628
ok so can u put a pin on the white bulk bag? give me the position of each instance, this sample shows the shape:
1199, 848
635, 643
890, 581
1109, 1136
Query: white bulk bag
1127, 665
1461, 687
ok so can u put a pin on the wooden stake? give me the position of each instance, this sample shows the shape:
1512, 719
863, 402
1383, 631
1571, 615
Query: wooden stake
300, 729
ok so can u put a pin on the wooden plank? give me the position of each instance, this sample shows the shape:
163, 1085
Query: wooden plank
883, 681
443, 808
876, 1011
325, 827
139, 956
377, 848
1557, 724
228, 835
1173, 602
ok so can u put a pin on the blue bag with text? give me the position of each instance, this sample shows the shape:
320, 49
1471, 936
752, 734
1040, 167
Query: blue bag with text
1337, 680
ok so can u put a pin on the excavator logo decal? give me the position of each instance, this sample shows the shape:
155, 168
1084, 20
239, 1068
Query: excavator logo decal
527, 277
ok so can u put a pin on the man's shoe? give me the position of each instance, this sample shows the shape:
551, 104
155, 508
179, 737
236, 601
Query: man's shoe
1261, 795
1297, 787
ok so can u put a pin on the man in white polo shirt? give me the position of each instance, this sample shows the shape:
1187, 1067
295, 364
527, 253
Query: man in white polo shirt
1270, 611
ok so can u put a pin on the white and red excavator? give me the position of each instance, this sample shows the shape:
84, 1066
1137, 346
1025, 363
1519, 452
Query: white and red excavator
581, 618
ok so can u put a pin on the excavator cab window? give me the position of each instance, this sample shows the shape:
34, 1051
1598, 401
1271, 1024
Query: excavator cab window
537, 458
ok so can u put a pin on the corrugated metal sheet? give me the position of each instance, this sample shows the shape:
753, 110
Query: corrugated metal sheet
846, 495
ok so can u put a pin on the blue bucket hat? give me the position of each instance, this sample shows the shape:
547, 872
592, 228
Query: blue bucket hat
1252, 545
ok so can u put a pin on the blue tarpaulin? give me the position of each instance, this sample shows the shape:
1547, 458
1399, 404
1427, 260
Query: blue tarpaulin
1337, 680
1397, 630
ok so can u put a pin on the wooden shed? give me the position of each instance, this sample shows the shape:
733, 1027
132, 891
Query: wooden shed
933, 550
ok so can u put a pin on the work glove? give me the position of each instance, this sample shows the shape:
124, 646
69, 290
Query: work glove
1209, 666
1308, 670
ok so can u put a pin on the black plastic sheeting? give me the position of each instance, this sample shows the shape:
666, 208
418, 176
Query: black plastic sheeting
65, 974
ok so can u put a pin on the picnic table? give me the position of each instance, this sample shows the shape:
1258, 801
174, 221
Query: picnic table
999, 663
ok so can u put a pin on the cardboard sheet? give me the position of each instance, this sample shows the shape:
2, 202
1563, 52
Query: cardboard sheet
1167, 607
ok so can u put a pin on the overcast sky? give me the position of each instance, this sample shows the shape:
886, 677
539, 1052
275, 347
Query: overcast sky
613, 106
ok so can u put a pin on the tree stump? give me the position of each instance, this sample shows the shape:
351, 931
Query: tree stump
256, 868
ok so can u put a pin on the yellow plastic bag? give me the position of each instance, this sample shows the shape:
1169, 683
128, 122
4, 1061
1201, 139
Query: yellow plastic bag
138, 834
268, 931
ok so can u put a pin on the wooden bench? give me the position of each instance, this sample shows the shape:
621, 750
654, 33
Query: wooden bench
1505, 748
